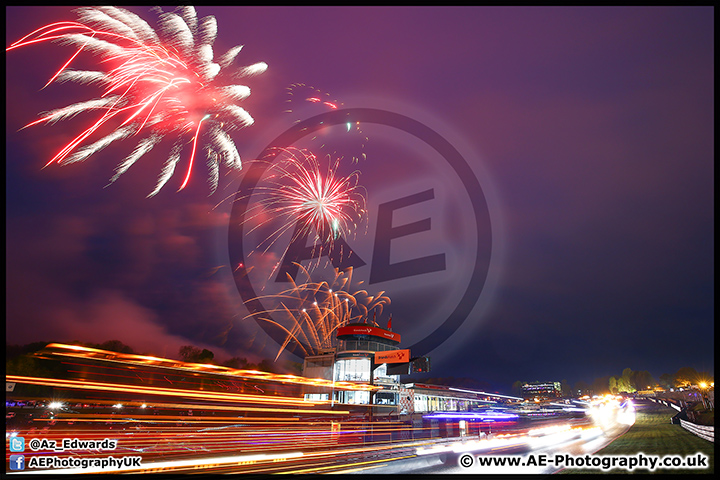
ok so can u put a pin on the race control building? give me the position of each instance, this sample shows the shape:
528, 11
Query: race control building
369, 354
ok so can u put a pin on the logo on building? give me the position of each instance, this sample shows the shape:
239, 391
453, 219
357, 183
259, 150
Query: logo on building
392, 356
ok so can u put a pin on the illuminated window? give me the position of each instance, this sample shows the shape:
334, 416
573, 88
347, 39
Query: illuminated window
380, 375
356, 398
317, 396
386, 398
421, 403
352, 370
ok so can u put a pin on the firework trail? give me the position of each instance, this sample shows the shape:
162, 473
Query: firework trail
300, 95
155, 85
310, 312
299, 194
306, 93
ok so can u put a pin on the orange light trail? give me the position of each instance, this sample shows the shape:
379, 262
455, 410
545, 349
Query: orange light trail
77, 351
229, 397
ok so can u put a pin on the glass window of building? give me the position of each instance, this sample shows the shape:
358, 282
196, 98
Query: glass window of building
317, 397
380, 375
421, 403
386, 398
356, 398
352, 370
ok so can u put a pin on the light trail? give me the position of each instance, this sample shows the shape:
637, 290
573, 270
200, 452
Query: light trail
229, 397
154, 467
76, 351
190, 430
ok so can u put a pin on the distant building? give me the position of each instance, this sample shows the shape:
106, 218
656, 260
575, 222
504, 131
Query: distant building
541, 390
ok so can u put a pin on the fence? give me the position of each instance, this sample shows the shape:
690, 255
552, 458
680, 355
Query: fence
706, 432
703, 431
667, 403
707, 397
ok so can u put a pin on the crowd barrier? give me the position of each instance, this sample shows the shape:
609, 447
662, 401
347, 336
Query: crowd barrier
706, 432
703, 431
667, 403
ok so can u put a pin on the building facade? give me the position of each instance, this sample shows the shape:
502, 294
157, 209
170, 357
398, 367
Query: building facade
353, 360
368, 354
541, 390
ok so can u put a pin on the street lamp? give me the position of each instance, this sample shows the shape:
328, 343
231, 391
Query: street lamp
703, 386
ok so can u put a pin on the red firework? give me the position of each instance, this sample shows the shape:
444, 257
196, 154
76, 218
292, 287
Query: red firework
299, 193
155, 84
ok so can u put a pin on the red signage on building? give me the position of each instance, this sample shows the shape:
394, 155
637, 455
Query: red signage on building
392, 356
363, 329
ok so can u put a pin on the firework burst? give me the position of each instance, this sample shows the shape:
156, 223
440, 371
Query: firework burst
156, 84
302, 195
310, 312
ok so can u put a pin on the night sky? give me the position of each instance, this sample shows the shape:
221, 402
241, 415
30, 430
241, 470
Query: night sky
589, 131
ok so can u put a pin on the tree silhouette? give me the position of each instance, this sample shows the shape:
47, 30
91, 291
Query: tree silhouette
686, 376
191, 354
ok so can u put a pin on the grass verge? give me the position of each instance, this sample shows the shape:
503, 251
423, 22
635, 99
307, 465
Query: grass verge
653, 434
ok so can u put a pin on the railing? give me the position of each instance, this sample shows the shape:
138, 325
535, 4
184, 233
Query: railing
706, 432
703, 431
667, 403
686, 396
365, 345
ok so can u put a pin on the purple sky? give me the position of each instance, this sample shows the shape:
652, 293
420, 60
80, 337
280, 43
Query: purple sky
589, 129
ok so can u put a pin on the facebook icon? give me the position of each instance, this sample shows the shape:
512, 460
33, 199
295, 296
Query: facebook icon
17, 462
